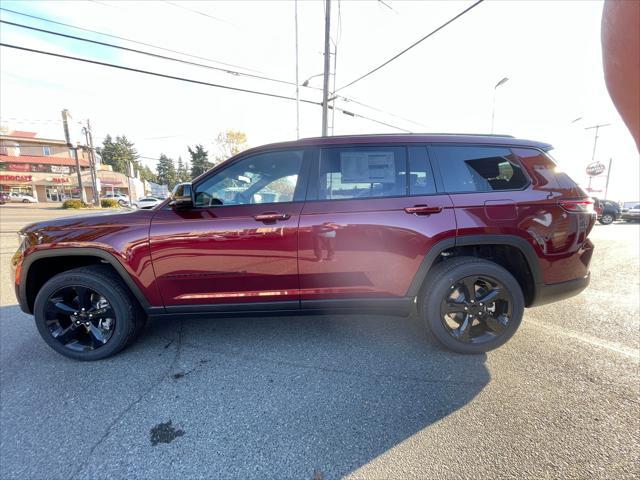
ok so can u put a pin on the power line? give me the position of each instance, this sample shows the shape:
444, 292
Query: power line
125, 39
164, 57
411, 46
198, 12
143, 52
190, 80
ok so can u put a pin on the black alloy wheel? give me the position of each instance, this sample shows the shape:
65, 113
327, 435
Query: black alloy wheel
477, 309
88, 313
471, 305
80, 318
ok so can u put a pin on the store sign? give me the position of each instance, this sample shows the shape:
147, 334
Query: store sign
18, 167
15, 178
60, 169
596, 168
60, 180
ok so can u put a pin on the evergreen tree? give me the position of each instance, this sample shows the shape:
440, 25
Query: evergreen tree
199, 161
166, 172
182, 172
118, 153
147, 174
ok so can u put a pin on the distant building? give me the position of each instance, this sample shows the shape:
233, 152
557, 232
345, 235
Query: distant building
156, 190
46, 169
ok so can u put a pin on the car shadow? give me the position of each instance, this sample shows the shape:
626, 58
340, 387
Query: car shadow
285, 397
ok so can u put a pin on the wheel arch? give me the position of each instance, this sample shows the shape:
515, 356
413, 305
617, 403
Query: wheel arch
524, 263
38, 267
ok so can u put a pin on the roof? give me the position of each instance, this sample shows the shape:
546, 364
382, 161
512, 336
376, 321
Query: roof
21, 134
42, 160
457, 138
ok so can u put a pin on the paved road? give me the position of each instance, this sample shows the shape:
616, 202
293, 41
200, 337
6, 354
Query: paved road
326, 397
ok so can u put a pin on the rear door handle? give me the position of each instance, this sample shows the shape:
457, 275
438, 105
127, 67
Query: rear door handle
422, 210
271, 217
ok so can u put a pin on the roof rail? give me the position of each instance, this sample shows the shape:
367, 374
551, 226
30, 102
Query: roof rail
415, 134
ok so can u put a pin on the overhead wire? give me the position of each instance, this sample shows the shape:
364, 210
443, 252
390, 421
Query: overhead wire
194, 81
414, 44
35, 17
168, 58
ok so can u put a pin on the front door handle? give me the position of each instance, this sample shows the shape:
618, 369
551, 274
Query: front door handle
271, 217
423, 210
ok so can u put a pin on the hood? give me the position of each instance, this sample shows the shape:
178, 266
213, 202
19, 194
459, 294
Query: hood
97, 220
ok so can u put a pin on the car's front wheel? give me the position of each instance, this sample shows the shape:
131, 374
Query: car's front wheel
87, 314
472, 305
606, 219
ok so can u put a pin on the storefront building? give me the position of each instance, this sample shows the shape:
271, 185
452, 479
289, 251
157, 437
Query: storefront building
46, 170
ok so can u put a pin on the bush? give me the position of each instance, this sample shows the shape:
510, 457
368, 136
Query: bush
109, 203
74, 203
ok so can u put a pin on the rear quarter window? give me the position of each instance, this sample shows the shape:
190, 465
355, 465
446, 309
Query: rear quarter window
479, 169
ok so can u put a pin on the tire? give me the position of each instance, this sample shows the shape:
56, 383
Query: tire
439, 287
25, 201
606, 219
129, 316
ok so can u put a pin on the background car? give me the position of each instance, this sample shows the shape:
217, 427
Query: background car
147, 202
16, 197
121, 198
632, 214
607, 211
4, 198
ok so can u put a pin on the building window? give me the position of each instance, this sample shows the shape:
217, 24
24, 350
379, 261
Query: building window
46, 150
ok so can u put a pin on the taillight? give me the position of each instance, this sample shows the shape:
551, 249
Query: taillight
584, 205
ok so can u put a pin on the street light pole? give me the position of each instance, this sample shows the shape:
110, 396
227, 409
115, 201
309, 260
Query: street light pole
327, 58
493, 108
297, 74
74, 151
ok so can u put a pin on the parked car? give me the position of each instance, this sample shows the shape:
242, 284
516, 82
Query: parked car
466, 230
4, 198
632, 214
147, 202
121, 198
21, 198
606, 211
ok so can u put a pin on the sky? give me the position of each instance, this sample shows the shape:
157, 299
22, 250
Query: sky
550, 52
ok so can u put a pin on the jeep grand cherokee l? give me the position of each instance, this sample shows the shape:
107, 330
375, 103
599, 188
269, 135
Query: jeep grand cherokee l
466, 230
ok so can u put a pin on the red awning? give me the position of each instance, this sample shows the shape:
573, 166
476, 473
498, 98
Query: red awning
42, 160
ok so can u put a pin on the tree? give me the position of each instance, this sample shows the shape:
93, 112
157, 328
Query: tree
147, 174
118, 153
166, 172
182, 172
230, 143
199, 161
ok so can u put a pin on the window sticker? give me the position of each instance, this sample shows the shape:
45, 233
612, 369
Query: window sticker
367, 167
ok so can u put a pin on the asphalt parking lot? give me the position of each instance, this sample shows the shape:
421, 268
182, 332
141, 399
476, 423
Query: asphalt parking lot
337, 396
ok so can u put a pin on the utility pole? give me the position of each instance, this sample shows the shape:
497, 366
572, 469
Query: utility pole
92, 163
297, 74
606, 186
595, 142
327, 60
74, 151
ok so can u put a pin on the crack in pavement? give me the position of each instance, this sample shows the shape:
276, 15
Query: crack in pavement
131, 405
327, 369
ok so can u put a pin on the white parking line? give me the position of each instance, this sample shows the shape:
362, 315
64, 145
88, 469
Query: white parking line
632, 353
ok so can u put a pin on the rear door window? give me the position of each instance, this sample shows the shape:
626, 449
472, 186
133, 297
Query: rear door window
479, 169
362, 172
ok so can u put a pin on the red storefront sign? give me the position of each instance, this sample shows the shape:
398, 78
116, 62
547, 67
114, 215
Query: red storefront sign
15, 178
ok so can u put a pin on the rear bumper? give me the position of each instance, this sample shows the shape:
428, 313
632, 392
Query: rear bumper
559, 291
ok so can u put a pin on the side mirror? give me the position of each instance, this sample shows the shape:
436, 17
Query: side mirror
182, 196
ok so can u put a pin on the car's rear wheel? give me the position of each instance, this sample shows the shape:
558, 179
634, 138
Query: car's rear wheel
606, 219
25, 201
472, 305
87, 314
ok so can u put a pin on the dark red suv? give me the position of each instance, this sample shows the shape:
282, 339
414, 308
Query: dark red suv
467, 230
